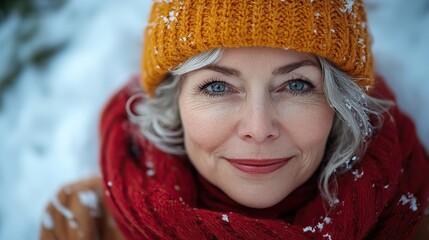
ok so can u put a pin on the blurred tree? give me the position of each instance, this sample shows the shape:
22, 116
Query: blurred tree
29, 13
27, 7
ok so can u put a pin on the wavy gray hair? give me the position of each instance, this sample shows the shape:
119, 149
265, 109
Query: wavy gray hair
159, 121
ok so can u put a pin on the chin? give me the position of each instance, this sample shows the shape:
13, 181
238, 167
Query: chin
259, 200
259, 203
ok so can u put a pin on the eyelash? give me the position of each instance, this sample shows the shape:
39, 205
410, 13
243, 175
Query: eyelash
310, 86
202, 88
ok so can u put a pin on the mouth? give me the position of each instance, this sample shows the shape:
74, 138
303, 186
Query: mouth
258, 166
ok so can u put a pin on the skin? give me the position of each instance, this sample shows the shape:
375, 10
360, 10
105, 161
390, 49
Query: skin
246, 106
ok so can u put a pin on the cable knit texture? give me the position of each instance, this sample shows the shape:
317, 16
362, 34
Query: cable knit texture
154, 195
334, 29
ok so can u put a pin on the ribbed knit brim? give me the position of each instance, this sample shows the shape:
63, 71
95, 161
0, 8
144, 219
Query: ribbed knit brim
333, 29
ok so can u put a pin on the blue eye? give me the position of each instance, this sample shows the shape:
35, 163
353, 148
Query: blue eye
299, 86
216, 87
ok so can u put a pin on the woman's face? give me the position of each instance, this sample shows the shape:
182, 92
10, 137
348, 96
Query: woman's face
256, 122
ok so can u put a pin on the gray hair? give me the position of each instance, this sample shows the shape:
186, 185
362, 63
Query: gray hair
159, 121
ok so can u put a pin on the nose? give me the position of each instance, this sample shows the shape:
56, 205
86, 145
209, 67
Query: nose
259, 122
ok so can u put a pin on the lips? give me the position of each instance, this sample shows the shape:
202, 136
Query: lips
258, 166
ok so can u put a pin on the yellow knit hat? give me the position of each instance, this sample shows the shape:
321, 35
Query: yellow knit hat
333, 29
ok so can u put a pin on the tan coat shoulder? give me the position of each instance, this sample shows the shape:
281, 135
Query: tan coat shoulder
78, 212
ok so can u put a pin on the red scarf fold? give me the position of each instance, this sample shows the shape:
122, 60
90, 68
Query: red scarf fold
154, 195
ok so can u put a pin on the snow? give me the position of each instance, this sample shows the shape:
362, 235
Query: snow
150, 172
225, 218
171, 18
356, 174
400, 32
90, 199
319, 225
327, 220
47, 221
348, 6
64, 211
49, 116
327, 236
309, 229
409, 199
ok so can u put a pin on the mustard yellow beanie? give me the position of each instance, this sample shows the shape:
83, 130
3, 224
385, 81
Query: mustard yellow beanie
332, 29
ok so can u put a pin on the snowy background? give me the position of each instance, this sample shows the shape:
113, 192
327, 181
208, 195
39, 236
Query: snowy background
61, 61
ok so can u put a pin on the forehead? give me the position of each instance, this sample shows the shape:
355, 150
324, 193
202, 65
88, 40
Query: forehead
263, 55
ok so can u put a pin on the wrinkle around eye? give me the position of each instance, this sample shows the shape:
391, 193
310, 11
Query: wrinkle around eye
215, 105
225, 89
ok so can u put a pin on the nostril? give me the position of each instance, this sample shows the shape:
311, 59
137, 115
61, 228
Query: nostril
270, 136
261, 135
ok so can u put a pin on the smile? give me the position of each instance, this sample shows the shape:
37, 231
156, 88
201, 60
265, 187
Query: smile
258, 166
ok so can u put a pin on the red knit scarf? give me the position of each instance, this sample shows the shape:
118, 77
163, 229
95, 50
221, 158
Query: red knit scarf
154, 195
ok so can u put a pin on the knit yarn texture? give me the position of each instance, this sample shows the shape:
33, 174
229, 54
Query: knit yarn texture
332, 29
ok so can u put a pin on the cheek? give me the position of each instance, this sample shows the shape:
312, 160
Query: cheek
309, 127
198, 131
205, 127
308, 130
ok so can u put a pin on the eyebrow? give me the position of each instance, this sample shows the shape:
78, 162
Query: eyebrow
224, 70
290, 67
278, 71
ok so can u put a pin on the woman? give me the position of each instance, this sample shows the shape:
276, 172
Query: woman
260, 120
